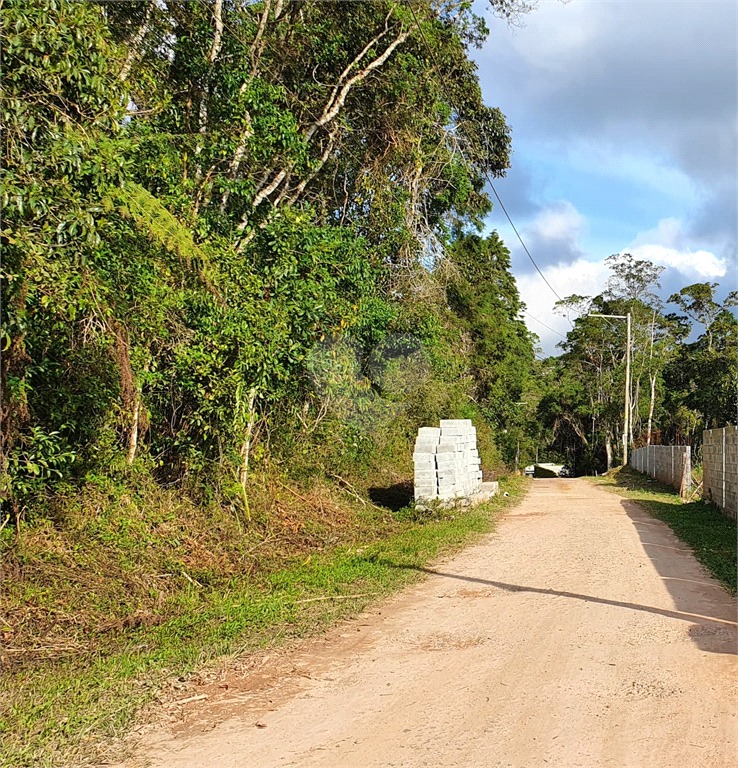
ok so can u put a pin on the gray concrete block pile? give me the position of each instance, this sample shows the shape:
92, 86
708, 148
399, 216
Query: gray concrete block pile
447, 461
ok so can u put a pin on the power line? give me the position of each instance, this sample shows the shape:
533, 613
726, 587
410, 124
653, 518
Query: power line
525, 312
484, 171
525, 248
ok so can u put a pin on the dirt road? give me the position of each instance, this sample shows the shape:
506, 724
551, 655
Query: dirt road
582, 633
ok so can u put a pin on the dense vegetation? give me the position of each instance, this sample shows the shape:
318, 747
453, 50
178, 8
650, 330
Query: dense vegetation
231, 229
241, 267
242, 264
678, 387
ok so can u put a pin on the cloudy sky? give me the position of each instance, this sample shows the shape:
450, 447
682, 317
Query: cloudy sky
623, 115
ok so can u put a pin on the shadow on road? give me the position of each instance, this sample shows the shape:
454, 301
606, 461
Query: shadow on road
714, 632
698, 597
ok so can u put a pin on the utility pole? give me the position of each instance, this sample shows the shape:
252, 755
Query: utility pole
626, 409
628, 414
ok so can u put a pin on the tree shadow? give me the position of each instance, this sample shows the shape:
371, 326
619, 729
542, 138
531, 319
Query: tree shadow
633, 480
692, 589
714, 624
393, 497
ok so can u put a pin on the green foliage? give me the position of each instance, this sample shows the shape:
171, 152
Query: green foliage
154, 220
678, 388
484, 296
189, 216
235, 242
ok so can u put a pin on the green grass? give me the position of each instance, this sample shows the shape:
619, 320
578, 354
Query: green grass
710, 534
70, 711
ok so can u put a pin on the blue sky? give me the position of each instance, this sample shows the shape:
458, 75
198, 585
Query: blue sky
623, 117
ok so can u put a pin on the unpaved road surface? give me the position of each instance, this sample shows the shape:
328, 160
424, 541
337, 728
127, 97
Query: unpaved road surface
582, 633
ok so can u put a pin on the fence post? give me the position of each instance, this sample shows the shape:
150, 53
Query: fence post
672, 465
706, 450
723, 457
685, 482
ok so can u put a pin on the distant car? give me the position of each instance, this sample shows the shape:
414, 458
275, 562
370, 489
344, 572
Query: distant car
566, 471
530, 470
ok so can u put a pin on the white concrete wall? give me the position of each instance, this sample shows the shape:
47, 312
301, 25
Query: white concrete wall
720, 468
665, 463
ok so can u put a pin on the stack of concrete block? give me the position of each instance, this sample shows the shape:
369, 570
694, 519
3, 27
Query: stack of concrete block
426, 469
447, 461
460, 436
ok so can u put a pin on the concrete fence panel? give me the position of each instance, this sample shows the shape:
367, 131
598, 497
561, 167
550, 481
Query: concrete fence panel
720, 468
669, 464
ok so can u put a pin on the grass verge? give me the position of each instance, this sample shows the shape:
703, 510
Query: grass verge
710, 534
70, 710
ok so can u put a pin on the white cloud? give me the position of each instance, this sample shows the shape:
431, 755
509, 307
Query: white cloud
668, 232
670, 245
583, 277
555, 39
700, 264
552, 236
559, 221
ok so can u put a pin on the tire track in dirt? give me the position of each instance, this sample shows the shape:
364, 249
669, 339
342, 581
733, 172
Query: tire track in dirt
582, 633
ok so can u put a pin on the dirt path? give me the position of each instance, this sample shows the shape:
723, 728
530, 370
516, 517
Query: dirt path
582, 633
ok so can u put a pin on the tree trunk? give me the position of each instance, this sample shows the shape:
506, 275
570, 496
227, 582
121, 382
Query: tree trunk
608, 449
635, 413
246, 450
135, 43
652, 380
133, 432
651, 407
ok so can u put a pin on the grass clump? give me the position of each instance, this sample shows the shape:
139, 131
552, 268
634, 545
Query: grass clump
93, 632
699, 524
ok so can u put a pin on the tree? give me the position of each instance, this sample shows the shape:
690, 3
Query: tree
632, 279
484, 295
584, 409
196, 194
697, 301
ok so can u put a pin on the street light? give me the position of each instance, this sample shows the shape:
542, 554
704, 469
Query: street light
626, 415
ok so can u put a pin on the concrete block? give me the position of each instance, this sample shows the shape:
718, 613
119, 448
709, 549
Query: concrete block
432, 432
446, 448
445, 439
447, 464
